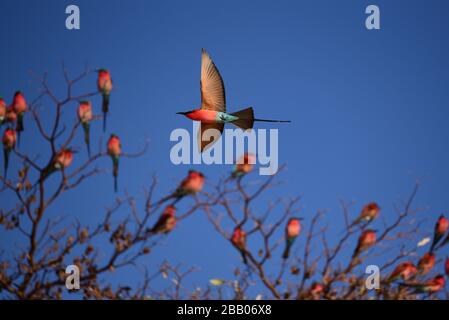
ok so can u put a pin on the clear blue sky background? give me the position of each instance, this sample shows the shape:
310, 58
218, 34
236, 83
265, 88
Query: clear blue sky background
370, 109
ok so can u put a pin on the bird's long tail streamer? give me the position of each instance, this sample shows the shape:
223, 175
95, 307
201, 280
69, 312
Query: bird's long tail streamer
86, 128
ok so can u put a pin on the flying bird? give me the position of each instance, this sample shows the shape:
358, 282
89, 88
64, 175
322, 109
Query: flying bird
104, 84
441, 228
212, 114
85, 116
292, 231
114, 151
9, 141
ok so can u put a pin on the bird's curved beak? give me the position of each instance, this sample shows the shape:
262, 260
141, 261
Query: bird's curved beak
183, 113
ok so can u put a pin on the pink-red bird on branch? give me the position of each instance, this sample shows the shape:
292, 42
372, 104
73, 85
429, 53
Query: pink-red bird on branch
369, 213
104, 84
244, 165
292, 231
426, 263
366, 240
9, 141
405, 271
19, 106
166, 222
441, 227
114, 147
431, 286
85, 116
191, 185
238, 239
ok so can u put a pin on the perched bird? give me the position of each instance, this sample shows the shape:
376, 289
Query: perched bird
441, 228
426, 263
431, 286
85, 116
9, 141
238, 239
366, 240
166, 222
104, 84
60, 161
212, 114
368, 213
20, 107
11, 115
244, 165
191, 185
63, 159
114, 151
316, 290
292, 230
2, 111
405, 271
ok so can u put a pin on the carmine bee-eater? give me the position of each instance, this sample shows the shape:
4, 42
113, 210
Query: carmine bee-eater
366, 240
191, 185
11, 115
2, 111
212, 114
405, 271
20, 107
114, 151
85, 116
431, 286
104, 84
316, 290
441, 228
9, 141
61, 161
244, 165
292, 231
368, 213
426, 263
166, 222
238, 239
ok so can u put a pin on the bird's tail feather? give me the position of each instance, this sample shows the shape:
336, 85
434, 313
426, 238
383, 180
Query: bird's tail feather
105, 109
245, 119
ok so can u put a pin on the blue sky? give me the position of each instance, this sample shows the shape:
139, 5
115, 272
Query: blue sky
369, 109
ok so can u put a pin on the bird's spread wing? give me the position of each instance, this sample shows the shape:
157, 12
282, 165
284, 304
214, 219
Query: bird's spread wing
212, 86
212, 134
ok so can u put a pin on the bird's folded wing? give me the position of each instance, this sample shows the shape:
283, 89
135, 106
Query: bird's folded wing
211, 136
212, 86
